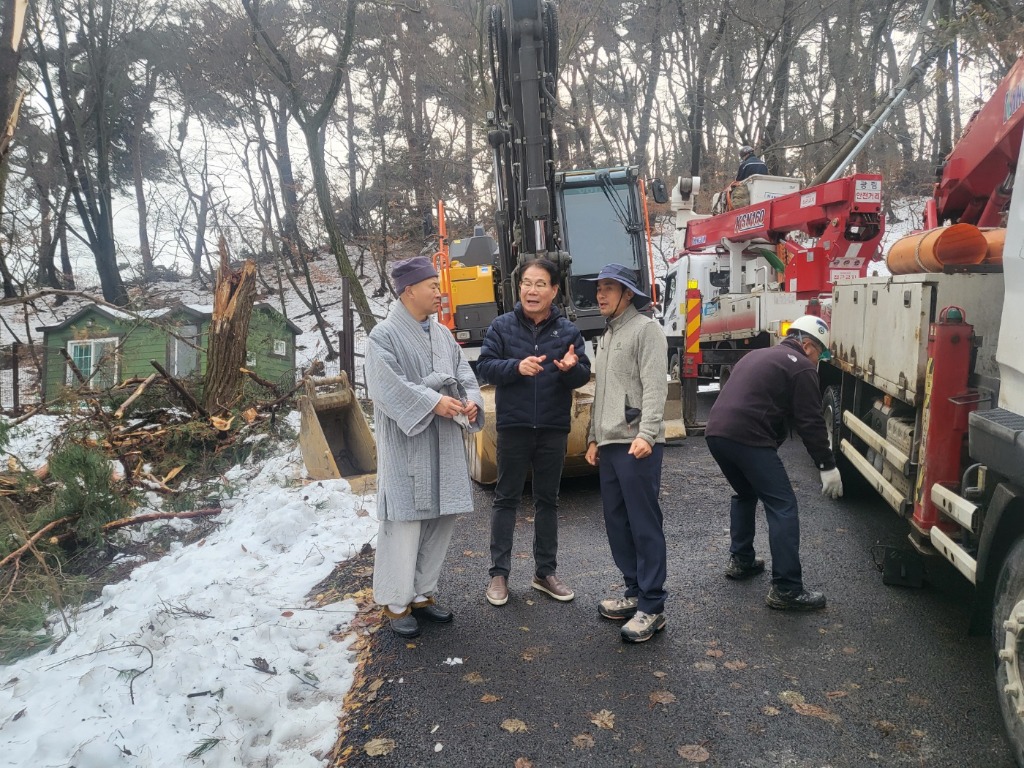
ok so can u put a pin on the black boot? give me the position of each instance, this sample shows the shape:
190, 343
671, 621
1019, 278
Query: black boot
740, 570
794, 600
434, 613
405, 626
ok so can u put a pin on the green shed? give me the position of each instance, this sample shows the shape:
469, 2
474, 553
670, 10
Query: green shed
109, 346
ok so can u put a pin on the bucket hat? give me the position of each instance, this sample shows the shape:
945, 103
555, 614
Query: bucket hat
626, 277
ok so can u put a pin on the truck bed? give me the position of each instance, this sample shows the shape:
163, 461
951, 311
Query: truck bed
880, 327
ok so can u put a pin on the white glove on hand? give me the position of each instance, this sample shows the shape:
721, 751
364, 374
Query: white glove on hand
831, 483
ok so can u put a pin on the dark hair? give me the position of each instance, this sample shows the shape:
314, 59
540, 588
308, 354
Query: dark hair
547, 266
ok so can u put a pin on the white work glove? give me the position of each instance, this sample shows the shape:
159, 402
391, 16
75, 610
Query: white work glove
831, 483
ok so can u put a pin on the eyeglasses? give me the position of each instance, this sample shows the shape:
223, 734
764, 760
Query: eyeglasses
528, 284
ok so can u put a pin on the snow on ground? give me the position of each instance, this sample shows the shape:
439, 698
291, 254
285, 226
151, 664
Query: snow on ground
193, 622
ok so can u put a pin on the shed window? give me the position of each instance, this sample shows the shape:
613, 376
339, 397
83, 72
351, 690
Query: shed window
97, 361
280, 347
184, 358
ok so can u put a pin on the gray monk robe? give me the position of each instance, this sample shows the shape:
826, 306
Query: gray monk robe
422, 476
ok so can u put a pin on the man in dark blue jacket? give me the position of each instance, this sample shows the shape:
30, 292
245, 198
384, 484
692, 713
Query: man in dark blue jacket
770, 389
535, 357
750, 163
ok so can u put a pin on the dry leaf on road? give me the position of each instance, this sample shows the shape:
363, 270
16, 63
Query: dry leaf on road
714, 653
792, 697
489, 698
694, 753
735, 666
771, 711
512, 725
603, 719
583, 741
704, 666
379, 747
810, 710
522, 762
662, 697
473, 678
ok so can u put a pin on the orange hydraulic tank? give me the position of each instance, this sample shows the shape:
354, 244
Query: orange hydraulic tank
929, 251
996, 239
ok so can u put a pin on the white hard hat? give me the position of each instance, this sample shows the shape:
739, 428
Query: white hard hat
810, 325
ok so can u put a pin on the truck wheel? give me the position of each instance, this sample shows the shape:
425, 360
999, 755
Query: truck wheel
723, 375
833, 415
853, 482
1008, 644
673, 367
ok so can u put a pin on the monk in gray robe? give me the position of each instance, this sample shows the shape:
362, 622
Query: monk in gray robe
424, 395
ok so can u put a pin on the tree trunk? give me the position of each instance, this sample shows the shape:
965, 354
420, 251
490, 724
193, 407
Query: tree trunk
141, 111
650, 91
353, 164
294, 246
695, 124
323, 195
233, 300
199, 245
774, 129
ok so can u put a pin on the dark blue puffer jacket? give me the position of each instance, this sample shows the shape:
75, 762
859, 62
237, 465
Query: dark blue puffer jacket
542, 401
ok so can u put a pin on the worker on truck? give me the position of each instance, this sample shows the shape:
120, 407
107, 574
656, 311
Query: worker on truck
768, 389
750, 163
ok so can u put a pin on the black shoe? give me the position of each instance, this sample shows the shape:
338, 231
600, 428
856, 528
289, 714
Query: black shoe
407, 626
802, 600
434, 613
739, 570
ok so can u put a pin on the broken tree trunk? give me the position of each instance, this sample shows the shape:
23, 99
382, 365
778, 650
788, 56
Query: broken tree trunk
229, 332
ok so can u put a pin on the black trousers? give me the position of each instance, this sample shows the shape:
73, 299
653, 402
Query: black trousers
520, 450
633, 520
758, 473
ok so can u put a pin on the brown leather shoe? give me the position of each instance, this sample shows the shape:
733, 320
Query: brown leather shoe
552, 585
497, 590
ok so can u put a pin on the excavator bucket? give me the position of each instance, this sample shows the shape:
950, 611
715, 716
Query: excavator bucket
482, 446
335, 438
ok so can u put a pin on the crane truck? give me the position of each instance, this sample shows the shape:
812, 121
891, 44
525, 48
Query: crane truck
757, 266
924, 395
596, 215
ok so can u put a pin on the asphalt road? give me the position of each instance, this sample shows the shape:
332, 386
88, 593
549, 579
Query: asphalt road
885, 676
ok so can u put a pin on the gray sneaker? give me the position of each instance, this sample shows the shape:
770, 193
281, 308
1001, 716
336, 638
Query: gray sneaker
617, 608
642, 626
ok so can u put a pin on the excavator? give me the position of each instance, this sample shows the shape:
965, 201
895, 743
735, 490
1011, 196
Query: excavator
598, 215
578, 219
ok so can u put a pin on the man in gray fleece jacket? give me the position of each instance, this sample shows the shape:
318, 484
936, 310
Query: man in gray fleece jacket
625, 441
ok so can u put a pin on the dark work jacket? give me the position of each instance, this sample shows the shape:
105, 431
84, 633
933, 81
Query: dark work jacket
768, 389
543, 401
750, 165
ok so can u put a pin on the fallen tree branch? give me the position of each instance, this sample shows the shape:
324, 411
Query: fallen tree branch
16, 554
180, 389
274, 403
261, 381
124, 522
119, 413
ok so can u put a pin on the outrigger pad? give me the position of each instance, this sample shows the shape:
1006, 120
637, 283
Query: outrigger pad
900, 567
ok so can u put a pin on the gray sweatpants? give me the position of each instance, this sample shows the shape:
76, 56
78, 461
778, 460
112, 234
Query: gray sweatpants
409, 558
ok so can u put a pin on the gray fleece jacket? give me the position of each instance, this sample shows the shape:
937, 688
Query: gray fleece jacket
631, 381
